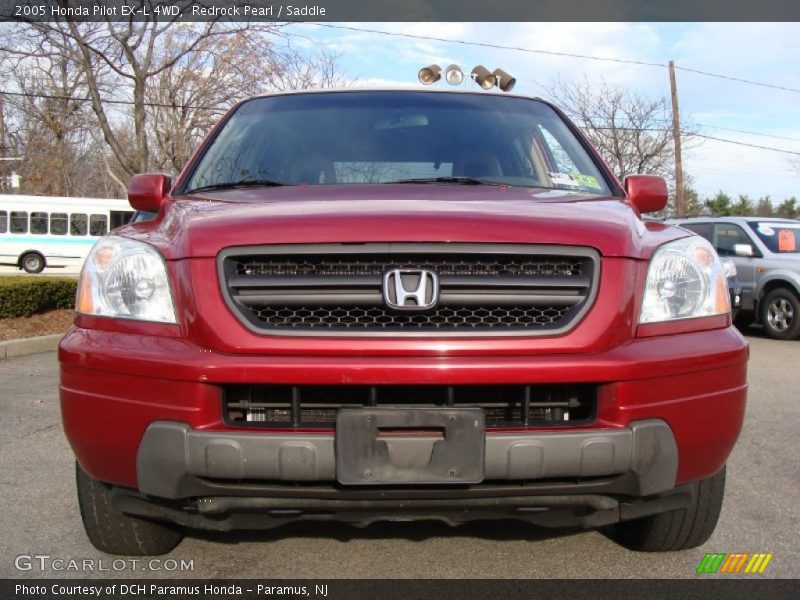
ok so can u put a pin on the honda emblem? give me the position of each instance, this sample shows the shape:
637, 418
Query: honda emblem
410, 289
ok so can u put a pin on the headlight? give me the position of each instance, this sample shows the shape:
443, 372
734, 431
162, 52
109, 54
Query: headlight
685, 279
127, 279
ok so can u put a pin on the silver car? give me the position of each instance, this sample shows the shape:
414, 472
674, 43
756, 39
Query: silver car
766, 252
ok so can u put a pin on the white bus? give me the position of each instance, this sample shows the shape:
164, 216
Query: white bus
46, 231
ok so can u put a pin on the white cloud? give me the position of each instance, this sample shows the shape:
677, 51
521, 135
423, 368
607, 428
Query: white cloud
378, 82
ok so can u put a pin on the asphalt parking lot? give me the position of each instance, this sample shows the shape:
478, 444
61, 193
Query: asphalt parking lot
760, 514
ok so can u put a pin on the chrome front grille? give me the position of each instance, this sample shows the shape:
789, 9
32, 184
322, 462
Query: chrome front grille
483, 289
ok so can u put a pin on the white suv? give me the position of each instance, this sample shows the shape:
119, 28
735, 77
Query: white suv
766, 252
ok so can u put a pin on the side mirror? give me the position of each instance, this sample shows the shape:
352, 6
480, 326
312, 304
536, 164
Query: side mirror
648, 193
730, 268
743, 250
146, 192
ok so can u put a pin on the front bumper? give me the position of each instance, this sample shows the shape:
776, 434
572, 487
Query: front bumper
115, 386
175, 461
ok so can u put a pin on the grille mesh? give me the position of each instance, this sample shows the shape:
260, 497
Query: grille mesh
534, 266
375, 317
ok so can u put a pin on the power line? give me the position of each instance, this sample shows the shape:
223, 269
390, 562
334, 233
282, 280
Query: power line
573, 115
716, 139
104, 100
603, 128
739, 80
486, 45
769, 135
552, 53
694, 133
578, 116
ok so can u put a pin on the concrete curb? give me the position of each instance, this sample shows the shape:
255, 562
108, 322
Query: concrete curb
34, 345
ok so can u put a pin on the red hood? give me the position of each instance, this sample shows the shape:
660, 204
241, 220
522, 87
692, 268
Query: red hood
201, 225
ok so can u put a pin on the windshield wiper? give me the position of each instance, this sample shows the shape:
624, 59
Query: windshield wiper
236, 184
454, 179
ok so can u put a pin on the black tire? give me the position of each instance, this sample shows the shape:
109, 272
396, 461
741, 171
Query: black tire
780, 314
114, 532
678, 529
32, 262
743, 320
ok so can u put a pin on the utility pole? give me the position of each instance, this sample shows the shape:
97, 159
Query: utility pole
680, 204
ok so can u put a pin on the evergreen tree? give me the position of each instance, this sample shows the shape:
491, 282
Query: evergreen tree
764, 207
788, 209
720, 205
744, 206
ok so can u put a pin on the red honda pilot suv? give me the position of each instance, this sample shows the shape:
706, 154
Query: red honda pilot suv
392, 305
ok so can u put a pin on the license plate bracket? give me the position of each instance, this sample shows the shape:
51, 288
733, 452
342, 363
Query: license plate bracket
399, 445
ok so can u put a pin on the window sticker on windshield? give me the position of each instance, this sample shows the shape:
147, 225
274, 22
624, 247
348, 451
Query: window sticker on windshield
787, 242
765, 229
564, 179
587, 181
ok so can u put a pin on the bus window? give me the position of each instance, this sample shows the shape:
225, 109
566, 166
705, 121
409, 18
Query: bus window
3, 221
77, 224
39, 222
120, 218
98, 225
19, 222
58, 224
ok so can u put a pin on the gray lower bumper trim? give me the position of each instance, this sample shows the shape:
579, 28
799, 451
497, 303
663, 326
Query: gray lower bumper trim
172, 457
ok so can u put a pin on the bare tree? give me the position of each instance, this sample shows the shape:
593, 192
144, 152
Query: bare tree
292, 69
148, 91
131, 55
631, 132
49, 126
187, 98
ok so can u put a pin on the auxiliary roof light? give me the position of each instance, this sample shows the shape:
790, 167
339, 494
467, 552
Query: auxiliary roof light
430, 74
483, 77
453, 75
504, 81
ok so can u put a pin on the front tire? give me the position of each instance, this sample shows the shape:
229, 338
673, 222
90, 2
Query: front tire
678, 529
780, 314
32, 262
114, 532
743, 320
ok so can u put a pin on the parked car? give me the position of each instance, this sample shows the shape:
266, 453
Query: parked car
767, 258
397, 305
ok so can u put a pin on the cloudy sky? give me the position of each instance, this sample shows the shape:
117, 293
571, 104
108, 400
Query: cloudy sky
761, 52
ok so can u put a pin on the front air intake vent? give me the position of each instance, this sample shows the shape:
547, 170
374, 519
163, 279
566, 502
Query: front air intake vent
504, 406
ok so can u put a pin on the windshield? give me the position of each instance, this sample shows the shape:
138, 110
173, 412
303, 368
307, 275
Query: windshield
778, 237
391, 137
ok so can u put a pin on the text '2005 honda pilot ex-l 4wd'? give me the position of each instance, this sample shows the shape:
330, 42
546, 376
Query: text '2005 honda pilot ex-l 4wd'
400, 305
